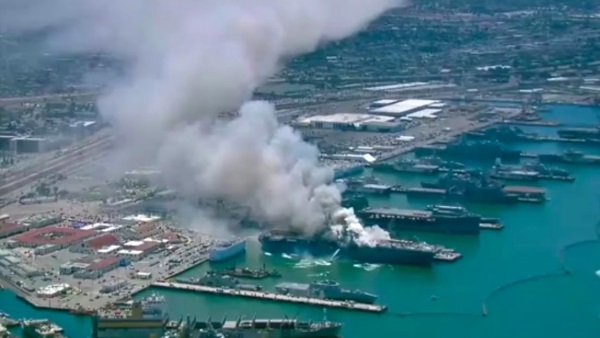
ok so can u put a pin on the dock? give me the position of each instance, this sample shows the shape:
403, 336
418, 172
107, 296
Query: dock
274, 297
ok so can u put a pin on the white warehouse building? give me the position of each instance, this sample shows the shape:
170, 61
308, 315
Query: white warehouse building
348, 121
405, 107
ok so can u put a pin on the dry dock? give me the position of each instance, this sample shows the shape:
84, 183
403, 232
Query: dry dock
274, 297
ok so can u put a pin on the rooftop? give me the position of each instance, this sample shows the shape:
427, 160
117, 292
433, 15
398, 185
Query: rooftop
102, 264
347, 118
102, 241
142, 218
427, 113
405, 106
54, 235
147, 246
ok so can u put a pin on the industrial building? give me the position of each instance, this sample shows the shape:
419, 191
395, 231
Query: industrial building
60, 237
405, 107
95, 244
345, 121
39, 221
98, 268
140, 218
70, 268
27, 145
8, 229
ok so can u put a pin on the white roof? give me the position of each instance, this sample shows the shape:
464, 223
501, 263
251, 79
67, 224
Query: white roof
404, 106
405, 138
425, 113
384, 101
96, 226
396, 86
130, 252
109, 249
346, 118
141, 218
111, 229
133, 243
141, 273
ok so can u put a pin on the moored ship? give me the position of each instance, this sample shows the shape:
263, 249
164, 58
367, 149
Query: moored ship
437, 218
471, 150
258, 328
529, 172
473, 187
226, 250
569, 156
588, 134
383, 252
326, 289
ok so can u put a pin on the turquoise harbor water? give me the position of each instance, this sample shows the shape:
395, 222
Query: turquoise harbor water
544, 302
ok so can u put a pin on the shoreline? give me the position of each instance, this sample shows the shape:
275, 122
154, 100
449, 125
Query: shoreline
29, 298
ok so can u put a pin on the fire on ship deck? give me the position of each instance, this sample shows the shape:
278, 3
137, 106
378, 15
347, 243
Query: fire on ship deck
274, 297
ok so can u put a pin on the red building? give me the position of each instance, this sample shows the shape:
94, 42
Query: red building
8, 229
96, 244
60, 237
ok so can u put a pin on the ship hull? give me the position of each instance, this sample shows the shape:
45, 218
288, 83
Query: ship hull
457, 225
330, 332
357, 299
223, 254
511, 177
360, 254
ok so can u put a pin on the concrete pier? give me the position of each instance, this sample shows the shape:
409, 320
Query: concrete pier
274, 297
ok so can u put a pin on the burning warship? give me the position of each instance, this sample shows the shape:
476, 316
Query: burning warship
337, 241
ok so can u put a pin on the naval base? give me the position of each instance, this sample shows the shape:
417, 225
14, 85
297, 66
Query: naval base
273, 297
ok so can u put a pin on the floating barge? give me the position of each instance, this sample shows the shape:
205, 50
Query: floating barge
274, 297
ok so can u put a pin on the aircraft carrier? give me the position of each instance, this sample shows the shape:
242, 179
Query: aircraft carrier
397, 252
437, 218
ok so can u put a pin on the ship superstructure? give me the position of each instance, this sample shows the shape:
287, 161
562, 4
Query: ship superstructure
437, 218
588, 134
326, 289
464, 148
472, 188
257, 328
227, 249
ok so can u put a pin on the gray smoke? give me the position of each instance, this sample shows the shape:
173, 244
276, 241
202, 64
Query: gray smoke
193, 59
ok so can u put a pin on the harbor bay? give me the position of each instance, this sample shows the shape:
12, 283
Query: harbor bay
526, 274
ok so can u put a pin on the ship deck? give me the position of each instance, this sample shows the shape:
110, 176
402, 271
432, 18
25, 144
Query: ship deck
398, 212
274, 297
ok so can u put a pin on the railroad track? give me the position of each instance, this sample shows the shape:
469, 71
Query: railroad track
65, 161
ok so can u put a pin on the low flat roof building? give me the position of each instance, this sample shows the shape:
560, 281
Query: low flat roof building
404, 107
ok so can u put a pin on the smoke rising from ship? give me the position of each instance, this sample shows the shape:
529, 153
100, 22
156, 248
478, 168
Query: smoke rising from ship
193, 59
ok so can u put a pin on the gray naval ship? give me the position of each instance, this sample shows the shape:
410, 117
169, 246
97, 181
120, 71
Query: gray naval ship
256, 328
326, 289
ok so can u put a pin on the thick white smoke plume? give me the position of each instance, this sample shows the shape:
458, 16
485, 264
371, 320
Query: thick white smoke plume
193, 59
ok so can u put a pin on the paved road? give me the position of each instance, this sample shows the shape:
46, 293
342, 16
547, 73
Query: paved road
12, 101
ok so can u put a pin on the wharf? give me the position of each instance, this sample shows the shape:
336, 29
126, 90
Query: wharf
533, 123
443, 137
274, 297
80, 305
